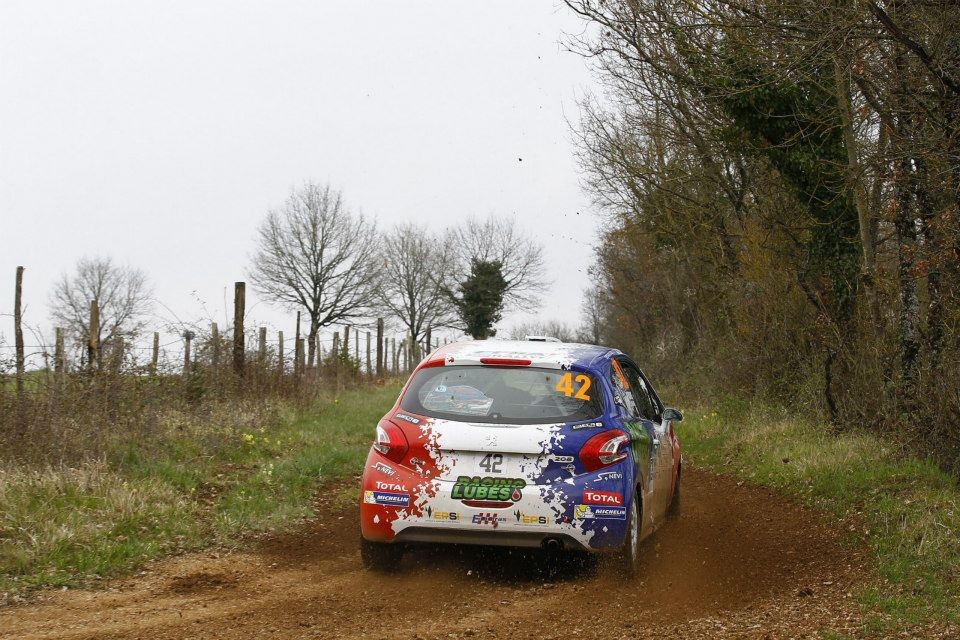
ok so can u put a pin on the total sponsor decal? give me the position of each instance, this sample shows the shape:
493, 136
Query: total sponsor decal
491, 519
600, 497
477, 488
588, 511
407, 418
524, 518
387, 498
392, 486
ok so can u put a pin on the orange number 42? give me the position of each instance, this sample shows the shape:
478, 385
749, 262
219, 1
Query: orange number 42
565, 386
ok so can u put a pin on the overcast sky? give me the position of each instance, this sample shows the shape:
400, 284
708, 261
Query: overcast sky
160, 133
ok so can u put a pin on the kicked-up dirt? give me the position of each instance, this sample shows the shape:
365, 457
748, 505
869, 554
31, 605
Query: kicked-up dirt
739, 561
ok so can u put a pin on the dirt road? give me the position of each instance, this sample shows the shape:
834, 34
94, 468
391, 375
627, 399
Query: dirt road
739, 561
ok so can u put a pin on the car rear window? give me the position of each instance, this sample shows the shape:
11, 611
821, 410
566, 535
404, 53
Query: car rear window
503, 395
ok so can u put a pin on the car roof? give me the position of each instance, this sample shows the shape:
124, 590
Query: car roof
549, 355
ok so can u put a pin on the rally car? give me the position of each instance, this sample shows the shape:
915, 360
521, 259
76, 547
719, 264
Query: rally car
521, 443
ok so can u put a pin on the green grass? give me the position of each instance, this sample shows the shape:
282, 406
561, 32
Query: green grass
207, 482
906, 509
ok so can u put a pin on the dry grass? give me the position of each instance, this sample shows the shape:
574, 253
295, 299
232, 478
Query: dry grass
171, 477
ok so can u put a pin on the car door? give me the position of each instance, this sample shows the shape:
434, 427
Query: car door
627, 380
662, 444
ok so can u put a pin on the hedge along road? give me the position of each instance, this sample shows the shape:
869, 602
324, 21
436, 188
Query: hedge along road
739, 561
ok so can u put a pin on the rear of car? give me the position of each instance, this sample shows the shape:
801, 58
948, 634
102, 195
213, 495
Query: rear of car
500, 444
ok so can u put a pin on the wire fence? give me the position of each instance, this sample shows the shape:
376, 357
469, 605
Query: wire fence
170, 356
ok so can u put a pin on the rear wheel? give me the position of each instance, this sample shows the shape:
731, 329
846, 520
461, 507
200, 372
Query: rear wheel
630, 552
381, 556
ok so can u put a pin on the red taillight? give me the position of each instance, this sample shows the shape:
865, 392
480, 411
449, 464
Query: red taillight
390, 441
603, 450
506, 362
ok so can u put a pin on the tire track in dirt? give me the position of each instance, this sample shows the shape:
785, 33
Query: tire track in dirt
739, 561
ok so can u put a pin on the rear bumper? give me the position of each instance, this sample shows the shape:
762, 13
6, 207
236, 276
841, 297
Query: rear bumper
398, 504
504, 538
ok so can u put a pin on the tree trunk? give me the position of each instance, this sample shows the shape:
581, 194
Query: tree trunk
936, 322
312, 342
854, 175
414, 348
909, 318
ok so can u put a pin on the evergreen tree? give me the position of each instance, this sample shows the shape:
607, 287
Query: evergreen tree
480, 302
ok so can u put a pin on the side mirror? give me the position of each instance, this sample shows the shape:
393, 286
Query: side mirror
672, 415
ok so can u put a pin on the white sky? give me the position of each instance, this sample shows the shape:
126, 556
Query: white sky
160, 133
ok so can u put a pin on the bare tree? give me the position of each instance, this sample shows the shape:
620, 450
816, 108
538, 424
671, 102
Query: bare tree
497, 239
592, 311
411, 287
123, 296
552, 328
313, 254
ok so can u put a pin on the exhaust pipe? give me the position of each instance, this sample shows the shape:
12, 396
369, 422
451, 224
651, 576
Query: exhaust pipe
552, 544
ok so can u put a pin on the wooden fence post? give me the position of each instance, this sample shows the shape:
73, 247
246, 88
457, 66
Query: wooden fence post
214, 347
18, 331
262, 348
379, 347
18, 340
356, 346
368, 370
346, 341
239, 343
214, 371
93, 336
187, 340
155, 356
59, 364
280, 353
296, 349
298, 359
297, 334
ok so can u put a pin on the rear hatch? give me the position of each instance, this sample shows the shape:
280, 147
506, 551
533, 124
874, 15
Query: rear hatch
537, 454
489, 426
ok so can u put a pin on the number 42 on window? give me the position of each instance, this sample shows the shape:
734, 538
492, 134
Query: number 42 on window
566, 383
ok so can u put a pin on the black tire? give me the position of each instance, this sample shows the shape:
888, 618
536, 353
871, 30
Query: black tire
629, 556
674, 508
381, 556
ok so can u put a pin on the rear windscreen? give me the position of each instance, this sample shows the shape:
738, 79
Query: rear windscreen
503, 395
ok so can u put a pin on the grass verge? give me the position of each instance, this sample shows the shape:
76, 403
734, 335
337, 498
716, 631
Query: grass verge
203, 483
907, 510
